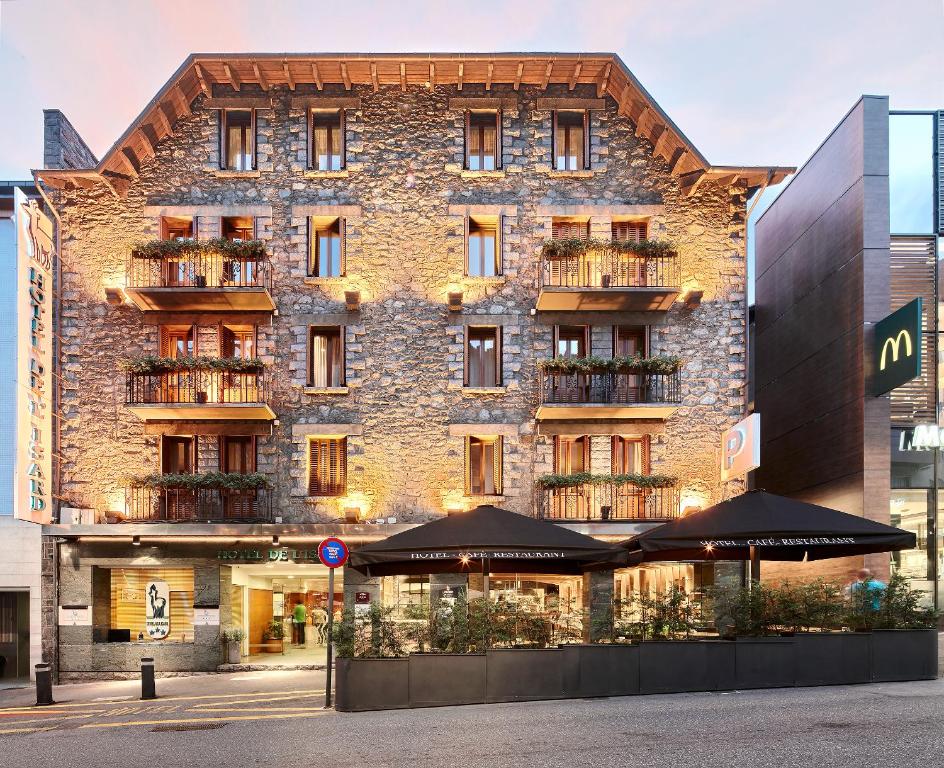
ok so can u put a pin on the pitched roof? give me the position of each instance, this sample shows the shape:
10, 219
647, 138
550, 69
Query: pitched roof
200, 71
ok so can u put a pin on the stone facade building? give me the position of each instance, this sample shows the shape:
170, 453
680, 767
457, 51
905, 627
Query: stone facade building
392, 317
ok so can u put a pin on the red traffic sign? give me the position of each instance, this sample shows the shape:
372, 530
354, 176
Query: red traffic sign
333, 552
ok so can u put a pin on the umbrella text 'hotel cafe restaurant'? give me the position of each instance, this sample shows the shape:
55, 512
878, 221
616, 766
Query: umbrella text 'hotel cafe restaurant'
320, 295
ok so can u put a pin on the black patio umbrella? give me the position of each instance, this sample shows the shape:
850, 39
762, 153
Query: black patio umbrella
488, 539
764, 526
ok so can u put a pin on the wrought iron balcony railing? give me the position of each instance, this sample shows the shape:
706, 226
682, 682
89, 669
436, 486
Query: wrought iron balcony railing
149, 504
609, 501
602, 267
200, 268
610, 388
199, 386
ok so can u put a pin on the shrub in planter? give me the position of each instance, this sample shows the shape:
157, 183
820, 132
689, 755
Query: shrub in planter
587, 478
272, 637
249, 250
232, 639
564, 248
632, 364
233, 481
154, 365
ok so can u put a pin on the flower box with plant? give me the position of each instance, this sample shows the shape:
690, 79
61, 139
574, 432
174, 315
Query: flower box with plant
587, 478
231, 481
183, 249
562, 249
662, 365
155, 365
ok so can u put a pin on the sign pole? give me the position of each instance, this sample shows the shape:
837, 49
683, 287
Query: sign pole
330, 630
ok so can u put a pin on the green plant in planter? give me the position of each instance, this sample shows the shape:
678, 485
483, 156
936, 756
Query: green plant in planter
662, 365
164, 249
569, 248
232, 635
233, 481
152, 364
344, 635
587, 478
274, 631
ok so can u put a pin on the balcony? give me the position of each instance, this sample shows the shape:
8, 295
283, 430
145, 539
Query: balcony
611, 277
146, 503
198, 389
609, 501
200, 275
608, 394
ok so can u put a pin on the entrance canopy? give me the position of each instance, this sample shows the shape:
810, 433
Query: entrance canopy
487, 538
774, 527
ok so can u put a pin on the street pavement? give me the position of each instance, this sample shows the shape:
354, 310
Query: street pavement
276, 718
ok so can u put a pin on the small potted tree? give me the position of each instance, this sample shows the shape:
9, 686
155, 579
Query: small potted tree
232, 639
272, 637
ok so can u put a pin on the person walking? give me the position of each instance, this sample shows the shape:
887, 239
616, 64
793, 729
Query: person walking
299, 617
319, 621
866, 591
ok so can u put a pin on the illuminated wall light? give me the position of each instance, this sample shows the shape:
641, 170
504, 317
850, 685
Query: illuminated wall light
455, 301
692, 298
114, 296
136, 541
275, 541
352, 300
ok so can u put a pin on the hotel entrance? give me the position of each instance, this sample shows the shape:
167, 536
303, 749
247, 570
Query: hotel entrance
282, 609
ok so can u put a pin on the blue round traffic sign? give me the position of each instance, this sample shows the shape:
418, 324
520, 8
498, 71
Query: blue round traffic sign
333, 552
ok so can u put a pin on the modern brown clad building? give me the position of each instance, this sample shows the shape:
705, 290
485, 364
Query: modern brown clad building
316, 295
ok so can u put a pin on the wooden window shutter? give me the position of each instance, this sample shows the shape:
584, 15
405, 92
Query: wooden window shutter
554, 139
467, 463
646, 451
570, 230
616, 446
163, 342
629, 231
312, 240
499, 260
497, 451
255, 141
342, 351
498, 139
342, 236
585, 440
465, 139
499, 341
465, 246
558, 455
465, 356
327, 466
221, 143
342, 138
227, 342
586, 139
195, 338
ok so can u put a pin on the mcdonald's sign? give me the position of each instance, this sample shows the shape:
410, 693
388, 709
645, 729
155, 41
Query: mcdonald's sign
897, 351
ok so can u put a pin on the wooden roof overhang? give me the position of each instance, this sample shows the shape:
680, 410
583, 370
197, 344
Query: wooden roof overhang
201, 71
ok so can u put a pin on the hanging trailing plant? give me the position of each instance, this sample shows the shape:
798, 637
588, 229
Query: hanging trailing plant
153, 364
232, 481
163, 249
662, 365
569, 248
587, 478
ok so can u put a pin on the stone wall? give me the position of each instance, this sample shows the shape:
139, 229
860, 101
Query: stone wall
62, 145
404, 198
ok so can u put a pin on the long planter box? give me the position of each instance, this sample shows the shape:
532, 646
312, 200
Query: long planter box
581, 671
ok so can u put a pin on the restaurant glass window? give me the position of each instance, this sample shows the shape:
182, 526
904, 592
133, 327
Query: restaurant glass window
483, 139
483, 356
483, 466
483, 247
326, 357
238, 133
126, 595
571, 139
327, 140
327, 466
326, 249
912, 509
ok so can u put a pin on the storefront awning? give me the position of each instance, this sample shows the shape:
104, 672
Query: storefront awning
774, 527
489, 537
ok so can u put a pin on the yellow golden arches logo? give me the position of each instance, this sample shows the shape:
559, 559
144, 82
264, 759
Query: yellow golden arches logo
894, 344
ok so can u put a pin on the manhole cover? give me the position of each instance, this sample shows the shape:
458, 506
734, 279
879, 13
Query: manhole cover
187, 727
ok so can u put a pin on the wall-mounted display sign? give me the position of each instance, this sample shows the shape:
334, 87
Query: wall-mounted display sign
75, 616
897, 349
157, 609
740, 448
206, 617
34, 327
924, 437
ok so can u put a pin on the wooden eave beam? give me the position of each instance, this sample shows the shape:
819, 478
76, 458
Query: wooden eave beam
574, 75
316, 74
461, 75
150, 143
373, 76
232, 76
757, 195
130, 160
488, 77
345, 76
658, 148
518, 75
403, 77
181, 101
260, 78
675, 164
288, 75
639, 120
604, 81
167, 123
204, 86
692, 181
547, 75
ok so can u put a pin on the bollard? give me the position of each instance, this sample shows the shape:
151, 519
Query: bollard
147, 679
43, 685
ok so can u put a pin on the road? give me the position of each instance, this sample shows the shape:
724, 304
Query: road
275, 718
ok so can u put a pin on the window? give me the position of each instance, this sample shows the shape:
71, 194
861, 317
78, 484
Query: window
237, 133
483, 246
571, 139
326, 357
327, 466
238, 341
483, 140
178, 269
483, 356
178, 455
629, 231
326, 246
630, 455
238, 454
125, 599
177, 341
178, 227
629, 341
327, 140
571, 340
483, 466
238, 228
568, 229
571, 455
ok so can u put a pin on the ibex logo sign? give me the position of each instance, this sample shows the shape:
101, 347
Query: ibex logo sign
157, 610
897, 358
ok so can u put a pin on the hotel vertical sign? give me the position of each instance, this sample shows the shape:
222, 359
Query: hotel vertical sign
34, 369
897, 351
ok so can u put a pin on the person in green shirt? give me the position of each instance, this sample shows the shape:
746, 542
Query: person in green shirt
299, 617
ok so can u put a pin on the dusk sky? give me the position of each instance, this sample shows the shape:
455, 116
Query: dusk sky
758, 82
